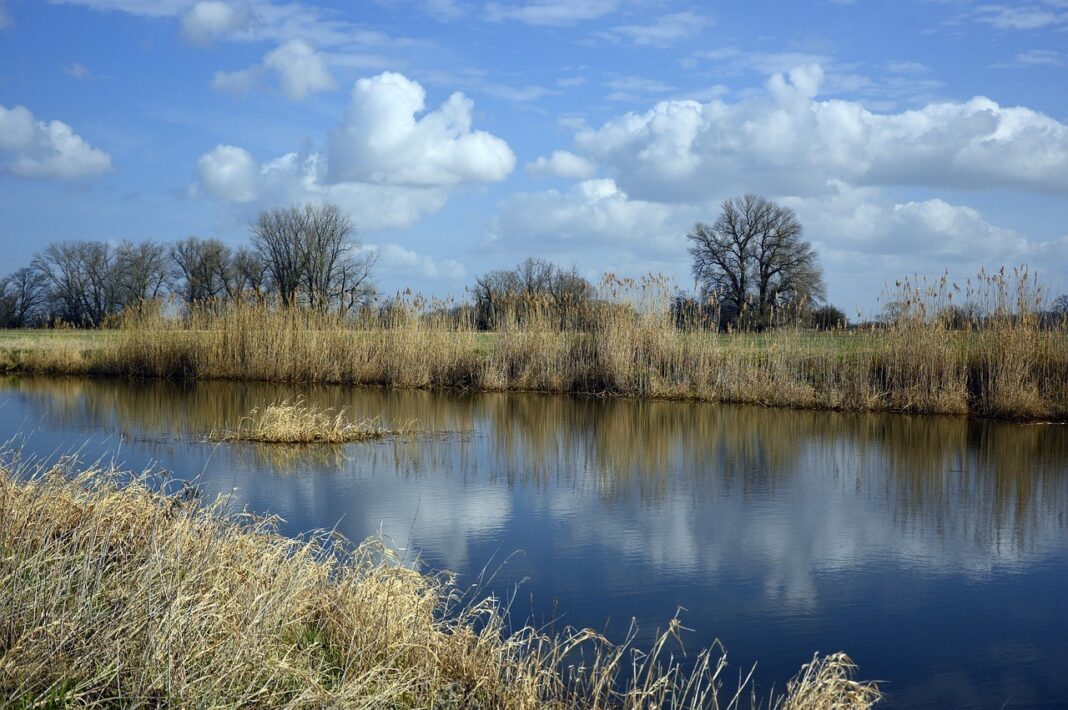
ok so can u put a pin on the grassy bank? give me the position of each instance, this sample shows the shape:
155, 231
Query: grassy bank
1004, 367
112, 595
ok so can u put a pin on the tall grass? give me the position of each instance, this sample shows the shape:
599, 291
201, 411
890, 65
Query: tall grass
115, 595
983, 349
298, 422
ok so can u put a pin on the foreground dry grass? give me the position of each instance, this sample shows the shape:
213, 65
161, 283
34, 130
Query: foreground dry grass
112, 595
297, 422
1002, 362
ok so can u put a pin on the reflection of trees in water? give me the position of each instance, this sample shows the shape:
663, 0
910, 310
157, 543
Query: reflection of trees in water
640, 446
996, 483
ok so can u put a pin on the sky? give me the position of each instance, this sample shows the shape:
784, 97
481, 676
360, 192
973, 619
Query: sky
910, 137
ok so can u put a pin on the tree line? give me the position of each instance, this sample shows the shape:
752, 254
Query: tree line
752, 269
304, 256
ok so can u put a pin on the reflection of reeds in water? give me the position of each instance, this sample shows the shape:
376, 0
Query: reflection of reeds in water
115, 595
297, 422
1001, 361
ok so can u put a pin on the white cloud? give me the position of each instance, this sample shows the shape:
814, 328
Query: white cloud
229, 173
381, 185
551, 12
1021, 18
211, 20
784, 141
865, 221
633, 86
409, 263
5, 17
266, 20
77, 71
444, 9
1038, 58
35, 149
383, 140
592, 212
301, 70
562, 164
238, 82
663, 31
232, 174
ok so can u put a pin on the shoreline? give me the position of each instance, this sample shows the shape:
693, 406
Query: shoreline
994, 376
204, 606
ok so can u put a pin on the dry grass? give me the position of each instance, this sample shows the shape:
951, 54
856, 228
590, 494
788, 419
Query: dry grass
297, 422
1002, 362
113, 595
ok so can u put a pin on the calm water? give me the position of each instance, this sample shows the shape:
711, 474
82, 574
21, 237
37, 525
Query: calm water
933, 550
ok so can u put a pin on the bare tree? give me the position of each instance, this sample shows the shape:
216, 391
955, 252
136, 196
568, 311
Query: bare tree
532, 283
354, 286
22, 296
311, 257
534, 276
754, 259
83, 280
335, 271
202, 269
276, 237
142, 272
493, 293
250, 269
1060, 304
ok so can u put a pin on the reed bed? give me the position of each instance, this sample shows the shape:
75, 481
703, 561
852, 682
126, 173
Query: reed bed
298, 422
113, 594
996, 355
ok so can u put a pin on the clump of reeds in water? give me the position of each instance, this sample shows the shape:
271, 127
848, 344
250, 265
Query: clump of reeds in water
298, 422
113, 594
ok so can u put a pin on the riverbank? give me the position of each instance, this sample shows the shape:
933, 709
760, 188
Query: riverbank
114, 595
1009, 368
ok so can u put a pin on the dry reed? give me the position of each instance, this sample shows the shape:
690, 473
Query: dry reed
297, 422
994, 356
114, 595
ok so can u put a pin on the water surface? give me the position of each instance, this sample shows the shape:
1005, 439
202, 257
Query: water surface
934, 550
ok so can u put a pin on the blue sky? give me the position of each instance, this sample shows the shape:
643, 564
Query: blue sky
464, 136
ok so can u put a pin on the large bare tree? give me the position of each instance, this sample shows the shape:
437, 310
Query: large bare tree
22, 297
754, 259
142, 271
83, 280
311, 256
202, 268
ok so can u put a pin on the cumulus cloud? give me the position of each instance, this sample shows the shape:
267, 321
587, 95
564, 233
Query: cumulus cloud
593, 212
229, 173
785, 141
562, 164
866, 221
383, 140
409, 263
395, 170
210, 20
35, 149
301, 72
232, 174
